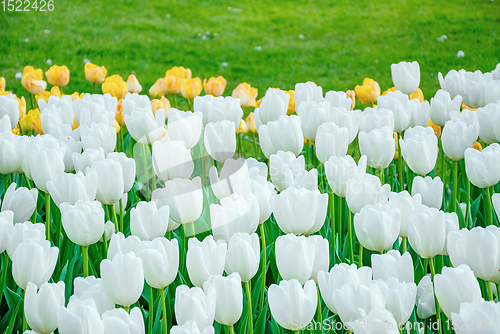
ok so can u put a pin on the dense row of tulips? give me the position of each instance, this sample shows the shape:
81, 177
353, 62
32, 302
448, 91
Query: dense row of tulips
121, 214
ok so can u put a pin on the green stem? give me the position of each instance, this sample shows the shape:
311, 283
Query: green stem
467, 210
164, 311
400, 164
382, 176
105, 244
249, 306
47, 215
5, 269
85, 257
111, 208
360, 255
264, 265
332, 215
95, 88
318, 310
25, 323
255, 146
487, 207
146, 170
296, 332
5, 180
127, 308
151, 309
404, 244
489, 287
351, 243
122, 145
231, 329
453, 197
438, 311
340, 210
121, 215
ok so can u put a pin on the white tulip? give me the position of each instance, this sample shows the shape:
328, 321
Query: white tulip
284, 134
331, 141
185, 126
149, 222
21, 201
220, 140
406, 76
171, 160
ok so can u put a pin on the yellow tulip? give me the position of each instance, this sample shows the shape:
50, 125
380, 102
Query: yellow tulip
58, 75
43, 95
396, 154
436, 128
16, 130
171, 84
27, 120
291, 102
258, 102
191, 88
418, 95
117, 126
133, 84
215, 86
37, 125
77, 95
477, 146
246, 93
392, 89
32, 80
22, 106
94, 73
242, 128
2, 84
352, 95
156, 90
115, 86
162, 103
119, 113
180, 72
369, 92
466, 107
56, 91
250, 123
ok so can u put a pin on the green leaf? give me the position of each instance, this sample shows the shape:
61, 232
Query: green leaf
13, 318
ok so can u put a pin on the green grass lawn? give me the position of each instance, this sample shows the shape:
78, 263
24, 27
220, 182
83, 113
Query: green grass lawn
343, 41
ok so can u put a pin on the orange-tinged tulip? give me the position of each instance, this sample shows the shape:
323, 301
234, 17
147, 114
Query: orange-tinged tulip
392, 89
115, 86
22, 106
32, 80
16, 130
396, 154
418, 95
58, 75
352, 95
119, 113
162, 103
77, 95
94, 73
242, 128
258, 102
43, 95
2, 84
55, 91
180, 72
466, 107
191, 88
369, 92
156, 90
133, 84
477, 146
246, 93
436, 128
171, 84
250, 123
215, 86
37, 125
291, 102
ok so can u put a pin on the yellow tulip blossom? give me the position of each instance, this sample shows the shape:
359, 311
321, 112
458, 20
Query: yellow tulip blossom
418, 95
477, 146
368, 92
215, 86
32, 80
258, 102
117, 126
94, 73
246, 93
162, 103
37, 125
436, 128
77, 95
133, 84
56, 91
58, 75
396, 154
27, 120
16, 130
43, 95
242, 128
22, 106
119, 113
171, 84
352, 95
392, 89
156, 90
250, 123
180, 72
115, 86
2, 84
191, 88
291, 102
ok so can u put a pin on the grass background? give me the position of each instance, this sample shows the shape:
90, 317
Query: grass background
344, 41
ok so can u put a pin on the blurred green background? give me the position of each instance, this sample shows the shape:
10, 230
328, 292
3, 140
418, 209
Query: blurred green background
265, 43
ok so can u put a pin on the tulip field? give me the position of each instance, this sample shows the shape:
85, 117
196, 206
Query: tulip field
193, 207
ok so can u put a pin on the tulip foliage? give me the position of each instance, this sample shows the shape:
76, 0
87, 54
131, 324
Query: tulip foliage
289, 214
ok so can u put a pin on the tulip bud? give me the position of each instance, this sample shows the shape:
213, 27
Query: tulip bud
29, 255
426, 305
364, 189
399, 296
307, 91
220, 108
195, 305
339, 99
92, 288
21, 201
160, 260
368, 92
133, 85
377, 226
457, 136
215, 86
348, 119
32, 80
430, 189
274, 105
312, 115
58, 75
488, 116
171, 160
481, 166
420, 149
191, 88
40, 308
110, 186
94, 73
121, 245
123, 278
220, 140
204, 259
118, 321
246, 93
400, 105
293, 306
379, 147
87, 158
128, 168
12, 153
147, 222
115, 86
2, 84
156, 91
80, 316
69, 188
284, 166
406, 76
289, 209
229, 300
393, 264
340, 169
284, 134
98, 135
331, 140
180, 72
376, 118
243, 255
184, 197
83, 222
45, 165
406, 205
455, 286
9, 107
419, 113
20, 232
185, 126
